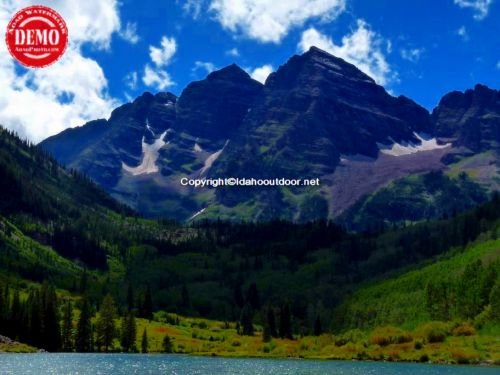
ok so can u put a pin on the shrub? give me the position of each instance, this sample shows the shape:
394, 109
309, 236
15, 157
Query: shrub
236, 343
464, 357
384, 336
424, 358
434, 332
464, 329
418, 345
351, 336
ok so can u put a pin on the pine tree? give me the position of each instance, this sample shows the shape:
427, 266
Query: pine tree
253, 296
144, 342
185, 300
285, 328
130, 298
271, 322
266, 333
105, 324
129, 333
167, 345
51, 330
84, 334
495, 301
469, 287
318, 329
147, 306
67, 328
246, 318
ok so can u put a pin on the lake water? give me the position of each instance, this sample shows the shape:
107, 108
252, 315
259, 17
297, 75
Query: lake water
118, 364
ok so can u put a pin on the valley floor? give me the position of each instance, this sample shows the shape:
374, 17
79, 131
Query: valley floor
433, 342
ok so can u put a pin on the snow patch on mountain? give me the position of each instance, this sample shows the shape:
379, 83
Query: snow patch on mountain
197, 214
407, 148
150, 154
197, 148
211, 159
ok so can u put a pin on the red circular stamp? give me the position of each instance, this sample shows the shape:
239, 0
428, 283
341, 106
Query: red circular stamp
37, 36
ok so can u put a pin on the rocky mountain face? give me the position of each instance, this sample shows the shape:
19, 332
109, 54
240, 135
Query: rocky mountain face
470, 119
317, 116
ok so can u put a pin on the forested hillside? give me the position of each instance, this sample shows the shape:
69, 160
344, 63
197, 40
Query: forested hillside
73, 261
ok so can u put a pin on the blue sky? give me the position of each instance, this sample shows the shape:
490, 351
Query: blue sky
432, 47
418, 48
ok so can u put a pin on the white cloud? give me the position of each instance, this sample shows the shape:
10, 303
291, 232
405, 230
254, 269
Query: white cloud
130, 33
38, 103
204, 65
462, 32
233, 52
261, 73
193, 7
412, 54
131, 80
161, 56
363, 48
480, 7
269, 21
156, 78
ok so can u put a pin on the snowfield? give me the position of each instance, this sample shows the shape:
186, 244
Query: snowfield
150, 153
407, 148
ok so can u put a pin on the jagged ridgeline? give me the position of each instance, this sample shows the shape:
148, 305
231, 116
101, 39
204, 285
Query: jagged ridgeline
317, 116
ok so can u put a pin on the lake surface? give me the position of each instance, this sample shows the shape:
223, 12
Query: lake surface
119, 364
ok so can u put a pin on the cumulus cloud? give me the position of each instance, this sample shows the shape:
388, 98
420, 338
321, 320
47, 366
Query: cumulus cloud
204, 65
38, 103
129, 33
480, 7
412, 54
154, 74
261, 73
161, 55
269, 21
157, 78
233, 52
363, 48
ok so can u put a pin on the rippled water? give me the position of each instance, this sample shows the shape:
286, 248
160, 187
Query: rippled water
118, 364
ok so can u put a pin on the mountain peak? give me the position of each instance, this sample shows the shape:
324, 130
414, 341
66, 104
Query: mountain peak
230, 72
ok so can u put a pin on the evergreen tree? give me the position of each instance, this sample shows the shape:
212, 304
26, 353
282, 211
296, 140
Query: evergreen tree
253, 296
167, 345
130, 298
67, 327
129, 333
15, 314
469, 291
51, 330
84, 334
438, 300
285, 327
271, 322
144, 342
246, 320
495, 301
105, 324
185, 299
266, 333
147, 306
318, 329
